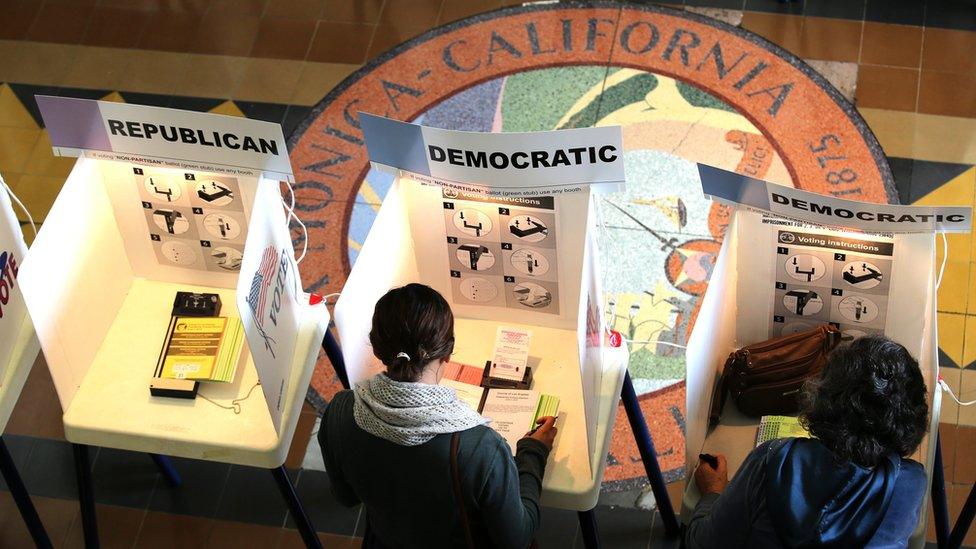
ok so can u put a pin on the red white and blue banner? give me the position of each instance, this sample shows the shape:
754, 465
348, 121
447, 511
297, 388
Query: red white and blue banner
12, 252
268, 293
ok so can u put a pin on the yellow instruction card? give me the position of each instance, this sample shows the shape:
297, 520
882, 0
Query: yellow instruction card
194, 347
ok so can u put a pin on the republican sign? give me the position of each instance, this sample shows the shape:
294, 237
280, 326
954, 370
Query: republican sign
170, 137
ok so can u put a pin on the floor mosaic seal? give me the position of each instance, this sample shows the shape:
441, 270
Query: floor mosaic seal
680, 84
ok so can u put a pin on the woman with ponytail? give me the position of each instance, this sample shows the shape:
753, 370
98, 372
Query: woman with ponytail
425, 466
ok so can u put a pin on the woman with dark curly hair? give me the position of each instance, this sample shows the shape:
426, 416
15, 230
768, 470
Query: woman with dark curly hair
851, 486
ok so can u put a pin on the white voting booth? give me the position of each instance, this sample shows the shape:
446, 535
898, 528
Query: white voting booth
18, 344
160, 201
508, 241
18, 351
792, 260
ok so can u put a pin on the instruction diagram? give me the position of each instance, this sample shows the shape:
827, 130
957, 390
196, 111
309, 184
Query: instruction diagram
826, 277
805, 267
501, 252
478, 290
214, 193
528, 228
171, 221
478, 257
862, 274
530, 262
473, 222
195, 221
532, 295
160, 189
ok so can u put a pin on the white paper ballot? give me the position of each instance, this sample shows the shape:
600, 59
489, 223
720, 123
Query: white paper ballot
511, 412
511, 353
466, 393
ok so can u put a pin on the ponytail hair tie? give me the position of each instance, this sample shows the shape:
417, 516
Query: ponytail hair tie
404, 355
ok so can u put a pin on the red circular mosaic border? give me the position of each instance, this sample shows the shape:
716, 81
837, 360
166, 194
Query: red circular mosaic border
819, 135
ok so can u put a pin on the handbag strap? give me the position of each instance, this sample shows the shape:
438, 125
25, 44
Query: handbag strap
458, 495
719, 393
834, 337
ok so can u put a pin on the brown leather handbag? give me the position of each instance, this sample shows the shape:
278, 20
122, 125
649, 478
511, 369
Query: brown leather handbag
766, 378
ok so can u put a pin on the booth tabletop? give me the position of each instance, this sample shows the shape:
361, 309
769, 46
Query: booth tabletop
735, 437
583, 497
113, 407
15, 375
570, 482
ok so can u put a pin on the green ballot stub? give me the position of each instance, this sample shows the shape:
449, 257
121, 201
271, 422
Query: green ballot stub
773, 427
548, 406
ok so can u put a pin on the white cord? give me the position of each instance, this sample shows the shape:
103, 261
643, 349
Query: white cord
945, 257
668, 343
291, 215
945, 387
235, 405
13, 197
326, 298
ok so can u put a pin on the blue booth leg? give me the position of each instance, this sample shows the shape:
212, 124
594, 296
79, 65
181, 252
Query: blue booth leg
649, 456
86, 496
334, 353
940, 511
588, 529
964, 521
305, 527
165, 466
22, 498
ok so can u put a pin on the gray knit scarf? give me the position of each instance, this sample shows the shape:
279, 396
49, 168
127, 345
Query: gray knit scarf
410, 414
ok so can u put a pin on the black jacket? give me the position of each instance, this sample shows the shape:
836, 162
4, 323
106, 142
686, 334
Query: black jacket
407, 490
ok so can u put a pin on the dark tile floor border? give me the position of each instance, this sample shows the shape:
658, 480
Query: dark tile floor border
959, 15
947, 14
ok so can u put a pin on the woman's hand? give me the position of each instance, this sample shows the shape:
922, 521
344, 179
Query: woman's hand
712, 480
545, 432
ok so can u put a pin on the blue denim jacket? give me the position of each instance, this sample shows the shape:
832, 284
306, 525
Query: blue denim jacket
796, 493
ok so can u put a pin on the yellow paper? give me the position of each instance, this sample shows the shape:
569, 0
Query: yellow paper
773, 427
230, 352
193, 347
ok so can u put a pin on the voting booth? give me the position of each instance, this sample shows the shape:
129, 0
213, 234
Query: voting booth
18, 344
792, 260
502, 225
18, 351
161, 201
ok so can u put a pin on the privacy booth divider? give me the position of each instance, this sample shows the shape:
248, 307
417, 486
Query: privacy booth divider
162, 201
791, 260
18, 343
506, 246
18, 352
